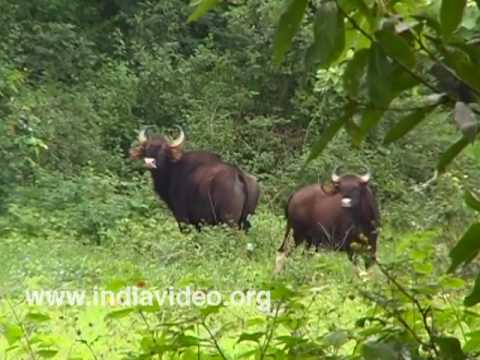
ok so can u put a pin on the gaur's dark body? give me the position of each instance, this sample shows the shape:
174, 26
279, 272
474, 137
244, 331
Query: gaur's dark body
198, 186
332, 219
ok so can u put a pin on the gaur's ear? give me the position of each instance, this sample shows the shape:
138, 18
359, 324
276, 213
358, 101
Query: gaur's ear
136, 152
330, 188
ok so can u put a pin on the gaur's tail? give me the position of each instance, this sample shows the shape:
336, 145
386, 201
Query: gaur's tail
286, 206
243, 223
283, 247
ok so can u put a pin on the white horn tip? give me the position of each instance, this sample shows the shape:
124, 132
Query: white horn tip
181, 138
365, 178
142, 137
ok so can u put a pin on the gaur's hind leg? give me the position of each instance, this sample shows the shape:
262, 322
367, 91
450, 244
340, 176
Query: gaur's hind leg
183, 227
351, 254
244, 225
285, 250
282, 251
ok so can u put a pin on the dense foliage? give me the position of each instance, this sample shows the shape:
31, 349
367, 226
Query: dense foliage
280, 89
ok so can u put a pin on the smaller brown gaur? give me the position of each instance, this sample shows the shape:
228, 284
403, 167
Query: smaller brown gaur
332, 218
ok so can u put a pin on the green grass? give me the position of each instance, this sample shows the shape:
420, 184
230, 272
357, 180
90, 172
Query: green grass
324, 305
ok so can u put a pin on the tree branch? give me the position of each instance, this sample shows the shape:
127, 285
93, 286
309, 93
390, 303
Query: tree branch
442, 64
423, 312
395, 109
214, 340
372, 39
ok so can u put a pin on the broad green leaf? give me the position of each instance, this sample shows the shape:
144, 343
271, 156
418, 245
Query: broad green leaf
47, 354
12, 333
472, 201
467, 248
402, 80
354, 130
474, 297
117, 314
452, 283
329, 31
115, 284
451, 14
151, 308
406, 124
212, 309
37, 317
288, 25
187, 340
472, 344
378, 351
282, 292
256, 321
379, 77
355, 70
464, 68
430, 20
336, 338
361, 6
255, 337
371, 117
247, 354
461, 60
450, 348
423, 268
396, 47
291, 341
447, 157
202, 8
332, 129
472, 50
478, 3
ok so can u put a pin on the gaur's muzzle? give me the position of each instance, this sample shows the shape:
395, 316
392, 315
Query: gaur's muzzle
346, 202
150, 163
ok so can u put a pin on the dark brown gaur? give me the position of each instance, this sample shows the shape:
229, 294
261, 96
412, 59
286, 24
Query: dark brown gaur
332, 218
197, 186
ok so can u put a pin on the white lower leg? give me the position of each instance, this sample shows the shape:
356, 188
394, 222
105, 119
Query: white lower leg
280, 261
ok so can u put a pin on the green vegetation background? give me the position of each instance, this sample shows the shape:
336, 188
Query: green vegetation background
79, 78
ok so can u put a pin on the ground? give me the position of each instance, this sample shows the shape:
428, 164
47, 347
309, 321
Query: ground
323, 291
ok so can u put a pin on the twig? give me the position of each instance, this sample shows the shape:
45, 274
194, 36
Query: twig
214, 340
426, 183
442, 64
371, 38
149, 328
20, 323
399, 318
423, 312
271, 329
89, 347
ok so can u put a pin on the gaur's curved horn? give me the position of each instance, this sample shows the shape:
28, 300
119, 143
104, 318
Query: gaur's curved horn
142, 135
335, 176
179, 140
365, 178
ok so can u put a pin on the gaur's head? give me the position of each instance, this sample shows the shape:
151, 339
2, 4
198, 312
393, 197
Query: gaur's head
157, 151
351, 187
